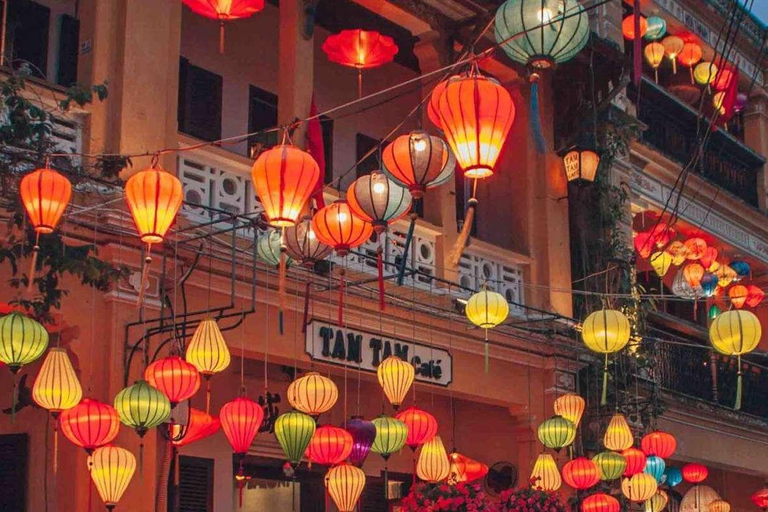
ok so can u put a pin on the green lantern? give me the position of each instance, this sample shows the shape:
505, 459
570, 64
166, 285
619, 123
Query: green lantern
610, 464
714, 311
269, 247
557, 432
142, 406
294, 431
548, 31
22, 340
391, 435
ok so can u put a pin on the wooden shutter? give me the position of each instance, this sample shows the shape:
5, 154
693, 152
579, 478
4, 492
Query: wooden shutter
262, 115
326, 125
195, 484
28, 24
363, 145
69, 40
14, 461
200, 99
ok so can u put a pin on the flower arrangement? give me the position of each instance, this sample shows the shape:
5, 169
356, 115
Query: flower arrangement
530, 499
463, 497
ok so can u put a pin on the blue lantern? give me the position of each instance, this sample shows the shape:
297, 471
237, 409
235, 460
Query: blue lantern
674, 475
741, 268
657, 27
708, 284
655, 466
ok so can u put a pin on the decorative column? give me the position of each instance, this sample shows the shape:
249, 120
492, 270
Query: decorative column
756, 137
295, 77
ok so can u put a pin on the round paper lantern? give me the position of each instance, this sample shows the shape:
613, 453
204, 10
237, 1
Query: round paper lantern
56, 387
673, 46
90, 424
659, 443
741, 268
654, 55
329, 446
378, 200
657, 27
661, 263
433, 465
302, 244
635, 461
111, 469
240, 420
678, 251
570, 406
313, 394
345, 485
360, 49
551, 38
418, 161
422, 426
363, 434
695, 473
690, 55
755, 296
628, 27
708, 258
464, 469
657, 502
618, 436
22, 340
269, 248
655, 467
284, 177
719, 506
391, 435
142, 407
708, 284
207, 350
294, 431
600, 502
606, 331
154, 198
610, 464
673, 476
336, 226
698, 498
639, 487
199, 425
545, 475
693, 272
735, 333
176, 378
738, 294
760, 498
557, 432
45, 195
704, 73
476, 114
725, 275
581, 473
395, 378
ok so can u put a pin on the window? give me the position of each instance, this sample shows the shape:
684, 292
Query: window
27, 36
200, 96
326, 124
262, 115
195, 484
14, 449
463, 194
363, 145
69, 39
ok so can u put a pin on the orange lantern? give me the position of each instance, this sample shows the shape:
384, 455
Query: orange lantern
570, 406
422, 426
175, 377
628, 27
329, 446
199, 424
476, 114
723, 79
696, 248
689, 56
738, 294
644, 243
284, 177
360, 48
659, 443
600, 502
225, 10
654, 55
464, 469
90, 424
709, 258
45, 195
581, 473
673, 46
336, 226
755, 296
663, 234
693, 272
154, 197
635, 461
695, 473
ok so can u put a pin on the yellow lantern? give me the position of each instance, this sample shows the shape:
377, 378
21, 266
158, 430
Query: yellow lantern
56, 387
112, 468
433, 465
487, 309
734, 333
725, 275
545, 475
345, 484
719, 506
208, 352
313, 394
705, 73
678, 251
673, 45
654, 54
718, 102
661, 262
658, 501
571, 407
395, 378
606, 332
639, 487
557, 432
618, 436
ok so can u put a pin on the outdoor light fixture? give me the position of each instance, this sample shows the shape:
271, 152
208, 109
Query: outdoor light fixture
581, 163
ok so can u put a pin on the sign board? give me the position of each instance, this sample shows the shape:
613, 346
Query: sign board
366, 350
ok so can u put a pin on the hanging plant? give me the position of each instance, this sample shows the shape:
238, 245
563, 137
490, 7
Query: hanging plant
530, 499
463, 497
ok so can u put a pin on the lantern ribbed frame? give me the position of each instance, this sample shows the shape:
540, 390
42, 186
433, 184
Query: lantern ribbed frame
433, 465
90, 424
313, 394
487, 309
760, 498
581, 473
464, 469
606, 331
378, 200
361, 49
556, 432
329, 446
618, 436
635, 461
735, 333
610, 464
142, 406
639, 487
284, 177
545, 475
655, 466
175, 377
719, 506
56, 387
395, 378
673, 476
22, 340
570, 406
345, 484
681, 288
302, 244
294, 431
199, 425
207, 350
422, 426
269, 248
45, 195
419, 161
111, 469
224, 10
336, 226
541, 45
695, 473
154, 198
240, 420
391, 435
659, 443
658, 501
363, 434
600, 502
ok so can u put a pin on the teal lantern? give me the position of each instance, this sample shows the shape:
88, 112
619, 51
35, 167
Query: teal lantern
655, 466
294, 431
713, 312
657, 28
709, 284
269, 247
142, 407
22, 340
391, 435
674, 476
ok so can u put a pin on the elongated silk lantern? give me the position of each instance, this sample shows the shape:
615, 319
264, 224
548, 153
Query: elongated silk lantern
56, 387
433, 465
571, 407
345, 484
240, 420
363, 435
294, 431
618, 435
209, 353
395, 378
654, 55
112, 468
545, 475
487, 309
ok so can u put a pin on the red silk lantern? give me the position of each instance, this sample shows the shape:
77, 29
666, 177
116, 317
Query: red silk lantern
644, 243
695, 473
90, 424
45, 195
708, 258
690, 55
329, 446
422, 426
360, 48
755, 296
464, 469
693, 272
581, 473
628, 27
175, 377
284, 177
696, 248
635, 461
738, 294
659, 443
476, 114
663, 234
240, 421
225, 10
723, 79
200, 424
760, 498
600, 502
336, 226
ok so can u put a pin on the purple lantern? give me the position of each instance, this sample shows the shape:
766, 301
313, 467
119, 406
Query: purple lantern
741, 102
363, 434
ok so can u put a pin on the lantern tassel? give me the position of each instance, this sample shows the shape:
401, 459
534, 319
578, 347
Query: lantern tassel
208, 394
674, 65
466, 229
737, 405
535, 120
241, 483
281, 285
14, 399
33, 268
55, 445
307, 292
604, 396
90, 489
380, 272
487, 353
221, 37
144, 278
693, 81
341, 298
141, 456
656, 74
406, 250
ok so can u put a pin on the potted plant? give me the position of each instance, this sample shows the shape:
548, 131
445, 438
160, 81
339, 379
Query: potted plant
530, 499
462, 497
